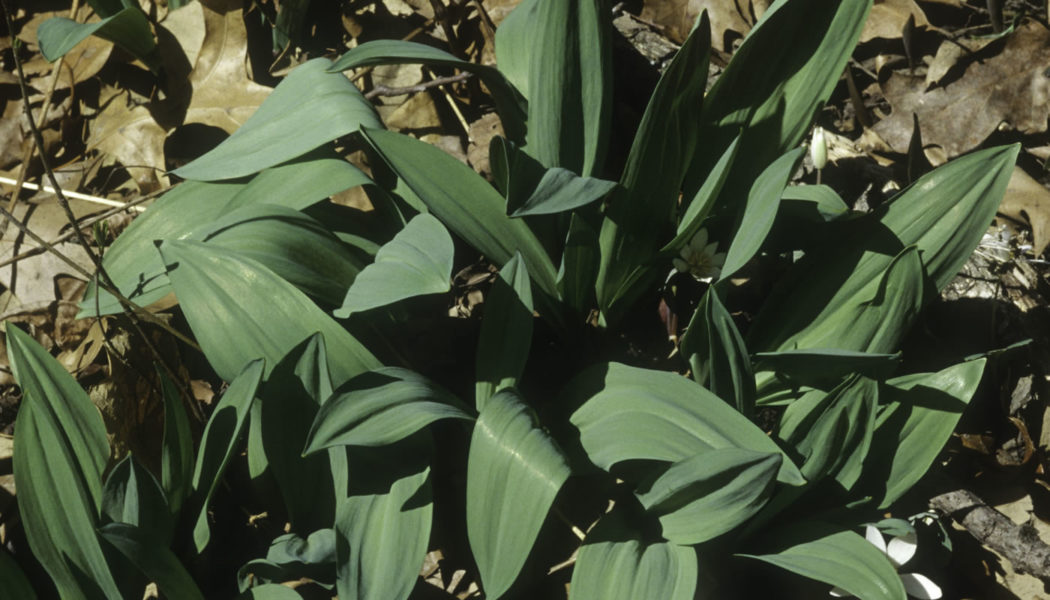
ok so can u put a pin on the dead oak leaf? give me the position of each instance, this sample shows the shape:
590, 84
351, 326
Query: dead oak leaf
730, 19
888, 17
1011, 87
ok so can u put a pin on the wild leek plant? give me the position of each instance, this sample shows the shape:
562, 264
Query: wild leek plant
298, 303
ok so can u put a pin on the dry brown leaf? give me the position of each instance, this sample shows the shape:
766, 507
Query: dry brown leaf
887, 18
730, 19
499, 9
418, 112
127, 132
1026, 200
81, 63
481, 133
1011, 87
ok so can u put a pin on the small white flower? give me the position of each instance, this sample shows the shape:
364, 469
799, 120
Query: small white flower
818, 148
700, 259
900, 550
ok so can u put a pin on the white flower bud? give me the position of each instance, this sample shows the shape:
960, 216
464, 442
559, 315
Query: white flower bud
818, 148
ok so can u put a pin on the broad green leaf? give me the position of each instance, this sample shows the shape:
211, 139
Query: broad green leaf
833, 431
506, 332
580, 261
289, 399
219, 441
771, 90
418, 261
381, 407
382, 534
300, 183
823, 366
291, 557
59, 454
760, 210
289, 123
465, 202
192, 208
133, 496
813, 202
615, 563
156, 562
918, 415
842, 559
717, 354
700, 206
239, 310
127, 28
514, 471
708, 494
270, 591
15, 582
943, 214
631, 413
176, 446
532, 189
640, 213
509, 102
569, 60
289, 24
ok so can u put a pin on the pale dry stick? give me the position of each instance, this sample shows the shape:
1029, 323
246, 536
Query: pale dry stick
103, 280
76, 195
65, 237
455, 109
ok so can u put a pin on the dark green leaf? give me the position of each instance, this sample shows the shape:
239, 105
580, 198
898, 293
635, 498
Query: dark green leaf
514, 471
943, 215
289, 400
292, 557
381, 407
614, 563
59, 454
633, 413
15, 582
127, 28
418, 261
708, 494
716, 352
132, 495
465, 202
532, 189
270, 591
762, 203
176, 446
156, 562
822, 366
509, 103
918, 415
288, 124
382, 533
771, 90
817, 203
506, 332
842, 559
219, 441
640, 213
700, 206
239, 310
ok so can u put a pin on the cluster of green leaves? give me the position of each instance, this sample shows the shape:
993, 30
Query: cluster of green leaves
263, 268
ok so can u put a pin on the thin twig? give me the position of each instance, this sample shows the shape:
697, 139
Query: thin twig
75, 195
102, 278
85, 223
382, 90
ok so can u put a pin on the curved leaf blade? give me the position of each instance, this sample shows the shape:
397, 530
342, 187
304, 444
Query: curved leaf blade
716, 352
655, 415
514, 471
709, 494
133, 496
506, 332
465, 202
60, 452
156, 562
288, 124
842, 559
381, 407
219, 440
176, 446
128, 29
239, 310
418, 261
615, 564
